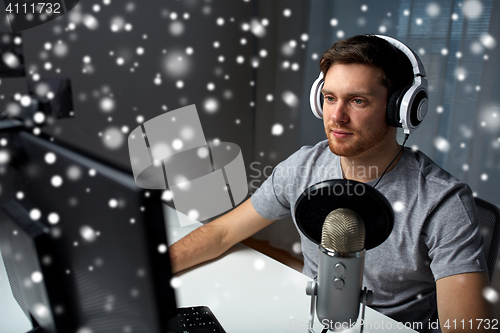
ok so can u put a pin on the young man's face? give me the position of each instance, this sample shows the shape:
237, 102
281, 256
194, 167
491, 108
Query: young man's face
354, 109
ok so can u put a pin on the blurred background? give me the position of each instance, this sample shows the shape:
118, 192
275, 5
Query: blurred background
248, 66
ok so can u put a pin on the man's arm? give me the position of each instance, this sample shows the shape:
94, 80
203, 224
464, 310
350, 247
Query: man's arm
461, 304
216, 237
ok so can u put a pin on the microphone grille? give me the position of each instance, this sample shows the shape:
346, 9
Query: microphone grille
343, 231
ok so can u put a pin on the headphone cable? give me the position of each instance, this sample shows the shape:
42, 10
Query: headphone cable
402, 146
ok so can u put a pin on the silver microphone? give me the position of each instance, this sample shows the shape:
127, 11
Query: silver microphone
340, 269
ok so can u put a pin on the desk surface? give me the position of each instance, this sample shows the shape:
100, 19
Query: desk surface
246, 290
12, 318
251, 292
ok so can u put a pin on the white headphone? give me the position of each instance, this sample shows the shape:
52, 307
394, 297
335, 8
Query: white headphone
406, 107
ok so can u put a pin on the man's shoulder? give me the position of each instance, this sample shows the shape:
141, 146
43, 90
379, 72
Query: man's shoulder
431, 177
428, 169
310, 154
309, 165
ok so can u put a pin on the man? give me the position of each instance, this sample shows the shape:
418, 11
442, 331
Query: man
433, 255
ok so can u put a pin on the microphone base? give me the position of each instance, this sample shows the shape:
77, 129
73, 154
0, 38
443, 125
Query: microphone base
311, 289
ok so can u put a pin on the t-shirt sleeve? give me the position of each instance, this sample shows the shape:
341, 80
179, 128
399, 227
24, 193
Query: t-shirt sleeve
269, 200
272, 199
453, 235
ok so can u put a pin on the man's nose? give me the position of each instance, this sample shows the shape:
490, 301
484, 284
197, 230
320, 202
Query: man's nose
338, 112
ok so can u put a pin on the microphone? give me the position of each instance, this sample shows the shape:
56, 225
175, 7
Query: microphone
345, 218
340, 269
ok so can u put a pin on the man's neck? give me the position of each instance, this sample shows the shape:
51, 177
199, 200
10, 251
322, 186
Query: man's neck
371, 165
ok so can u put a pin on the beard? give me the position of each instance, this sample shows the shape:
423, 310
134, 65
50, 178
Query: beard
358, 143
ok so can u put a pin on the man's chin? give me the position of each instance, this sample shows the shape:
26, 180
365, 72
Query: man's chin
351, 150
341, 151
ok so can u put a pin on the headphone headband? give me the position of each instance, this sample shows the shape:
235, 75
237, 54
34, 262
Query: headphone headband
418, 67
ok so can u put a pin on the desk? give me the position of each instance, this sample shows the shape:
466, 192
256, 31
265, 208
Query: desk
246, 290
12, 318
251, 292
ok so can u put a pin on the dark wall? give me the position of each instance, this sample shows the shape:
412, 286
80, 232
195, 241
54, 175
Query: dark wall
165, 30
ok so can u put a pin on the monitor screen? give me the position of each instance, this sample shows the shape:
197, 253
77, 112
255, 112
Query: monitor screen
84, 246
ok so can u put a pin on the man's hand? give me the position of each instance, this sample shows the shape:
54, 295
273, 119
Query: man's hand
461, 304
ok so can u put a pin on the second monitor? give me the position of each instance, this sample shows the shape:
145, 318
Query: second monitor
90, 236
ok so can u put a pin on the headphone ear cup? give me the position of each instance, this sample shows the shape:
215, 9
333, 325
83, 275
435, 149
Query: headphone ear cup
419, 108
316, 97
392, 110
393, 107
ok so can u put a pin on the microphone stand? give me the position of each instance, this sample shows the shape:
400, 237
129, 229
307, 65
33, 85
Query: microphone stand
366, 297
312, 290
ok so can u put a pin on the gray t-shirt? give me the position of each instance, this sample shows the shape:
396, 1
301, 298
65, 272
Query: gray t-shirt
436, 232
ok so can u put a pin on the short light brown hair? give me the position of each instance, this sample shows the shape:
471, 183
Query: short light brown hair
373, 51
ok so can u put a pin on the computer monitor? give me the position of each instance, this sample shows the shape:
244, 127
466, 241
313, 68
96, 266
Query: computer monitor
84, 247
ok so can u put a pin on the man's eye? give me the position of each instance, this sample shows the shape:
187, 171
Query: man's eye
358, 101
329, 98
